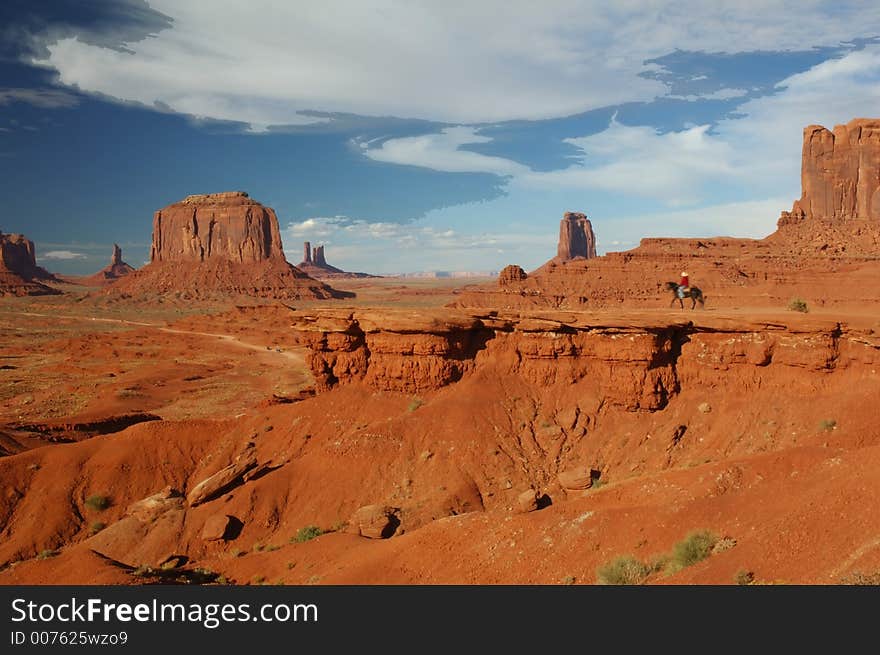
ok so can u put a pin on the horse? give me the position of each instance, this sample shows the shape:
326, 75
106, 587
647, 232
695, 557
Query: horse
694, 294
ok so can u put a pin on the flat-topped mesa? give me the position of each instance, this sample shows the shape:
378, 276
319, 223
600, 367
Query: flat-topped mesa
219, 245
576, 238
840, 173
227, 226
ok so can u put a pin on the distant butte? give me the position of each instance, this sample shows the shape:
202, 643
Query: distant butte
219, 244
19, 273
117, 269
314, 263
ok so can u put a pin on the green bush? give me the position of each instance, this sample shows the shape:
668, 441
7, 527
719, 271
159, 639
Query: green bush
46, 554
97, 526
414, 404
623, 570
798, 305
744, 577
307, 533
695, 547
98, 502
827, 425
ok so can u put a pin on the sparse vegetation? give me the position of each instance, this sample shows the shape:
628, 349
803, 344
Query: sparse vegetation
307, 533
98, 502
272, 547
46, 554
862, 579
97, 526
569, 580
258, 547
260, 579
695, 547
744, 577
623, 570
414, 404
827, 425
798, 305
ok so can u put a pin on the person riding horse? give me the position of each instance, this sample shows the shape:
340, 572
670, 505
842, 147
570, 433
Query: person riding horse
684, 285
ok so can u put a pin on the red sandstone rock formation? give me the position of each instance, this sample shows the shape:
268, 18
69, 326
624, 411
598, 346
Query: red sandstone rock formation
828, 246
840, 172
576, 238
117, 269
314, 263
19, 273
228, 226
219, 244
510, 274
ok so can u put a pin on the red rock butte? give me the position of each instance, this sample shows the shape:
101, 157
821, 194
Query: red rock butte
314, 263
229, 243
826, 250
115, 270
19, 273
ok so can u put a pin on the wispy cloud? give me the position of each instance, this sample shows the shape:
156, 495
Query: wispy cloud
43, 98
63, 255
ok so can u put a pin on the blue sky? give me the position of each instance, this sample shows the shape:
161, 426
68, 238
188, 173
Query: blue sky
419, 135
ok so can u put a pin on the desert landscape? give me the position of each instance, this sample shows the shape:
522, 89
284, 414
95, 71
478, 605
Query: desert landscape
221, 416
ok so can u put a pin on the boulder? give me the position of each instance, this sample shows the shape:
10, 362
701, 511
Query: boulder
527, 501
216, 527
374, 522
576, 478
148, 509
222, 480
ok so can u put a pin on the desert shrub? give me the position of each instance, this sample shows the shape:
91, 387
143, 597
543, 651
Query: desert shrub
798, 305
97, 526
623, 570
414, 404
46, 554
744, 577
307, 533
258, 547
695, 547
98, 502
569, 580
862, 579
827, 425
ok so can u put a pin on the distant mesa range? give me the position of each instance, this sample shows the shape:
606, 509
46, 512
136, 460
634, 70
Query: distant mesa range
19, 273
315, 264
219, 244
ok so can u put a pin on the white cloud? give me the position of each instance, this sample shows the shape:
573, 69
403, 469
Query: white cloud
262, 62
63, 255
43, 98
442, 152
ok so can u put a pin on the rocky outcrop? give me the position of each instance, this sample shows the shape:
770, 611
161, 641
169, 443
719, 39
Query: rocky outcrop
216, 245
510, 274
19, 273
576, 238
222, 480
315, 264
632, 362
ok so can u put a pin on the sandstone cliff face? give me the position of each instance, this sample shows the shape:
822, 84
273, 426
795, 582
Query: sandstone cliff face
19, 273
576, 238
840, 172
227, 226
634, 362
